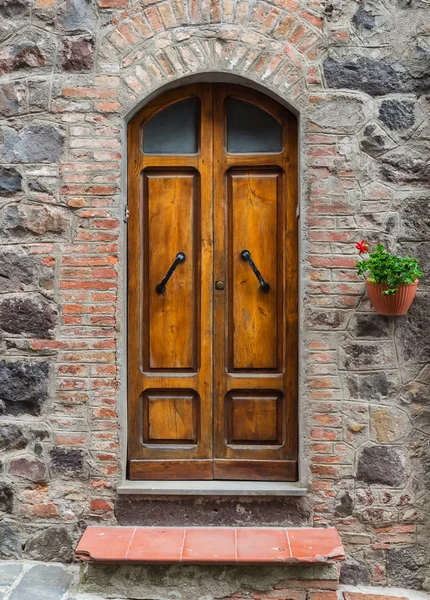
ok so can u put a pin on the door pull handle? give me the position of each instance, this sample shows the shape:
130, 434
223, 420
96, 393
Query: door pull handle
246, 256
160, 288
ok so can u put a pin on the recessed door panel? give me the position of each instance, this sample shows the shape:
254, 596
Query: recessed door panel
172, 238
170, 417
252, 206
254, 418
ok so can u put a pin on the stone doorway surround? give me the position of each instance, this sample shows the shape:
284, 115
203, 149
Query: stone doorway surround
73, 74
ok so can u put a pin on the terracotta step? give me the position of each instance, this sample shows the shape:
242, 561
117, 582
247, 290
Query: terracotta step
202, 545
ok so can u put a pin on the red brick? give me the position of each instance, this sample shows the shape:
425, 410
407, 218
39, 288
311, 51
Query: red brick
113, 3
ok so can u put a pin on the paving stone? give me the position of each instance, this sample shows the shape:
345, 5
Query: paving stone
8, 573
43, 582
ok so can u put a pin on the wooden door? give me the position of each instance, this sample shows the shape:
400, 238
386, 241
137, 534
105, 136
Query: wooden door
212, 287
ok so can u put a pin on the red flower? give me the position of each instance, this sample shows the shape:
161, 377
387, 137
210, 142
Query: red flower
361, 247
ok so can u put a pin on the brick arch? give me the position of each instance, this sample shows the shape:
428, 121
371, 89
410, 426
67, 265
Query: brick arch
271, 46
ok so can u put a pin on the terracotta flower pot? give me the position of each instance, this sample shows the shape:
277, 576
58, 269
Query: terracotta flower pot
392, 305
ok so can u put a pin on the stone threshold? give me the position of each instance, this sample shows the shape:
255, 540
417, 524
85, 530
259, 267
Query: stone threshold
211, 488
210, 545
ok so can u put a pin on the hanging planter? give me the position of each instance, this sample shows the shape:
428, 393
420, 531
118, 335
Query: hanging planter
391, 280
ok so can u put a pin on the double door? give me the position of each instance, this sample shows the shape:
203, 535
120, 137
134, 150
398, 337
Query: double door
212, 287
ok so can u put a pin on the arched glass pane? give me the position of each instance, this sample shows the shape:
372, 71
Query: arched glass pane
250, 129
173, 130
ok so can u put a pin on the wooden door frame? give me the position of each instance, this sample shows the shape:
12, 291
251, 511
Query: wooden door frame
299, 488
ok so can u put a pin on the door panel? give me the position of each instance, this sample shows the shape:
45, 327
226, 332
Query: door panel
255, 433
252, 201
212, 329
170, 324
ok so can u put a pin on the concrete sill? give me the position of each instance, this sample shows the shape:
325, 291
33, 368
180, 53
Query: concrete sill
212, 488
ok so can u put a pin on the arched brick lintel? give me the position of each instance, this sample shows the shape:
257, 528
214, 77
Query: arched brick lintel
212, 77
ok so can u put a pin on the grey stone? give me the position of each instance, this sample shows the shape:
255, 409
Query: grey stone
34, 219
23, 387
16, 269
397, 114
364, 17
10, 180
6, 497
384, 465
328, 319
23, 55
14, 8
344, 505
354, 572
43, 582
78, 53
415, 218
34, 143
412, 332
28, 468
50, 544
67, 460
405, 167
405, 566
362, 356
28, 315
8, 573
10, 545
38, 94
12, 437
375, 141
338, 114
12, 99
370, 325
375, 77
417, 396
78, 15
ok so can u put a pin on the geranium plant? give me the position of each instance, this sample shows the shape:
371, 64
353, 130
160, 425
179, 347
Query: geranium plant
384, 268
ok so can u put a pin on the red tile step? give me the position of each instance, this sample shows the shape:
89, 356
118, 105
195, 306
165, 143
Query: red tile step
203, 545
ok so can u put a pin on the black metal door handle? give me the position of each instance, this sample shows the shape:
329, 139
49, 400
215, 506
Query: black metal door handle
246, 256
161, 287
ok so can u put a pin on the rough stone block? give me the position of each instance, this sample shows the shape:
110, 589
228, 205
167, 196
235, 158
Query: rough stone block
34, 143
363, 356
339, 114
27, 468
412, 332
397, 114
381, 465
67, 461
78, 53
370, 325
34, 219
27, 315
375, 77
405, 167
13, 99
12, 437
23, 387
6, 497
10, 180
406, 565
10, 545
16, 269
52, 544
388, 425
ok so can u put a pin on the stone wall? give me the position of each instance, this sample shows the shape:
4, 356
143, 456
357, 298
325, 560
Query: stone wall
70, 73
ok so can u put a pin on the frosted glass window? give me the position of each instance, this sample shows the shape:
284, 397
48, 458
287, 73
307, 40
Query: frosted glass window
173, 130
250, 129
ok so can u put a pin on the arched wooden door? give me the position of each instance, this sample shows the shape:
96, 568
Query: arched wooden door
212, 287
